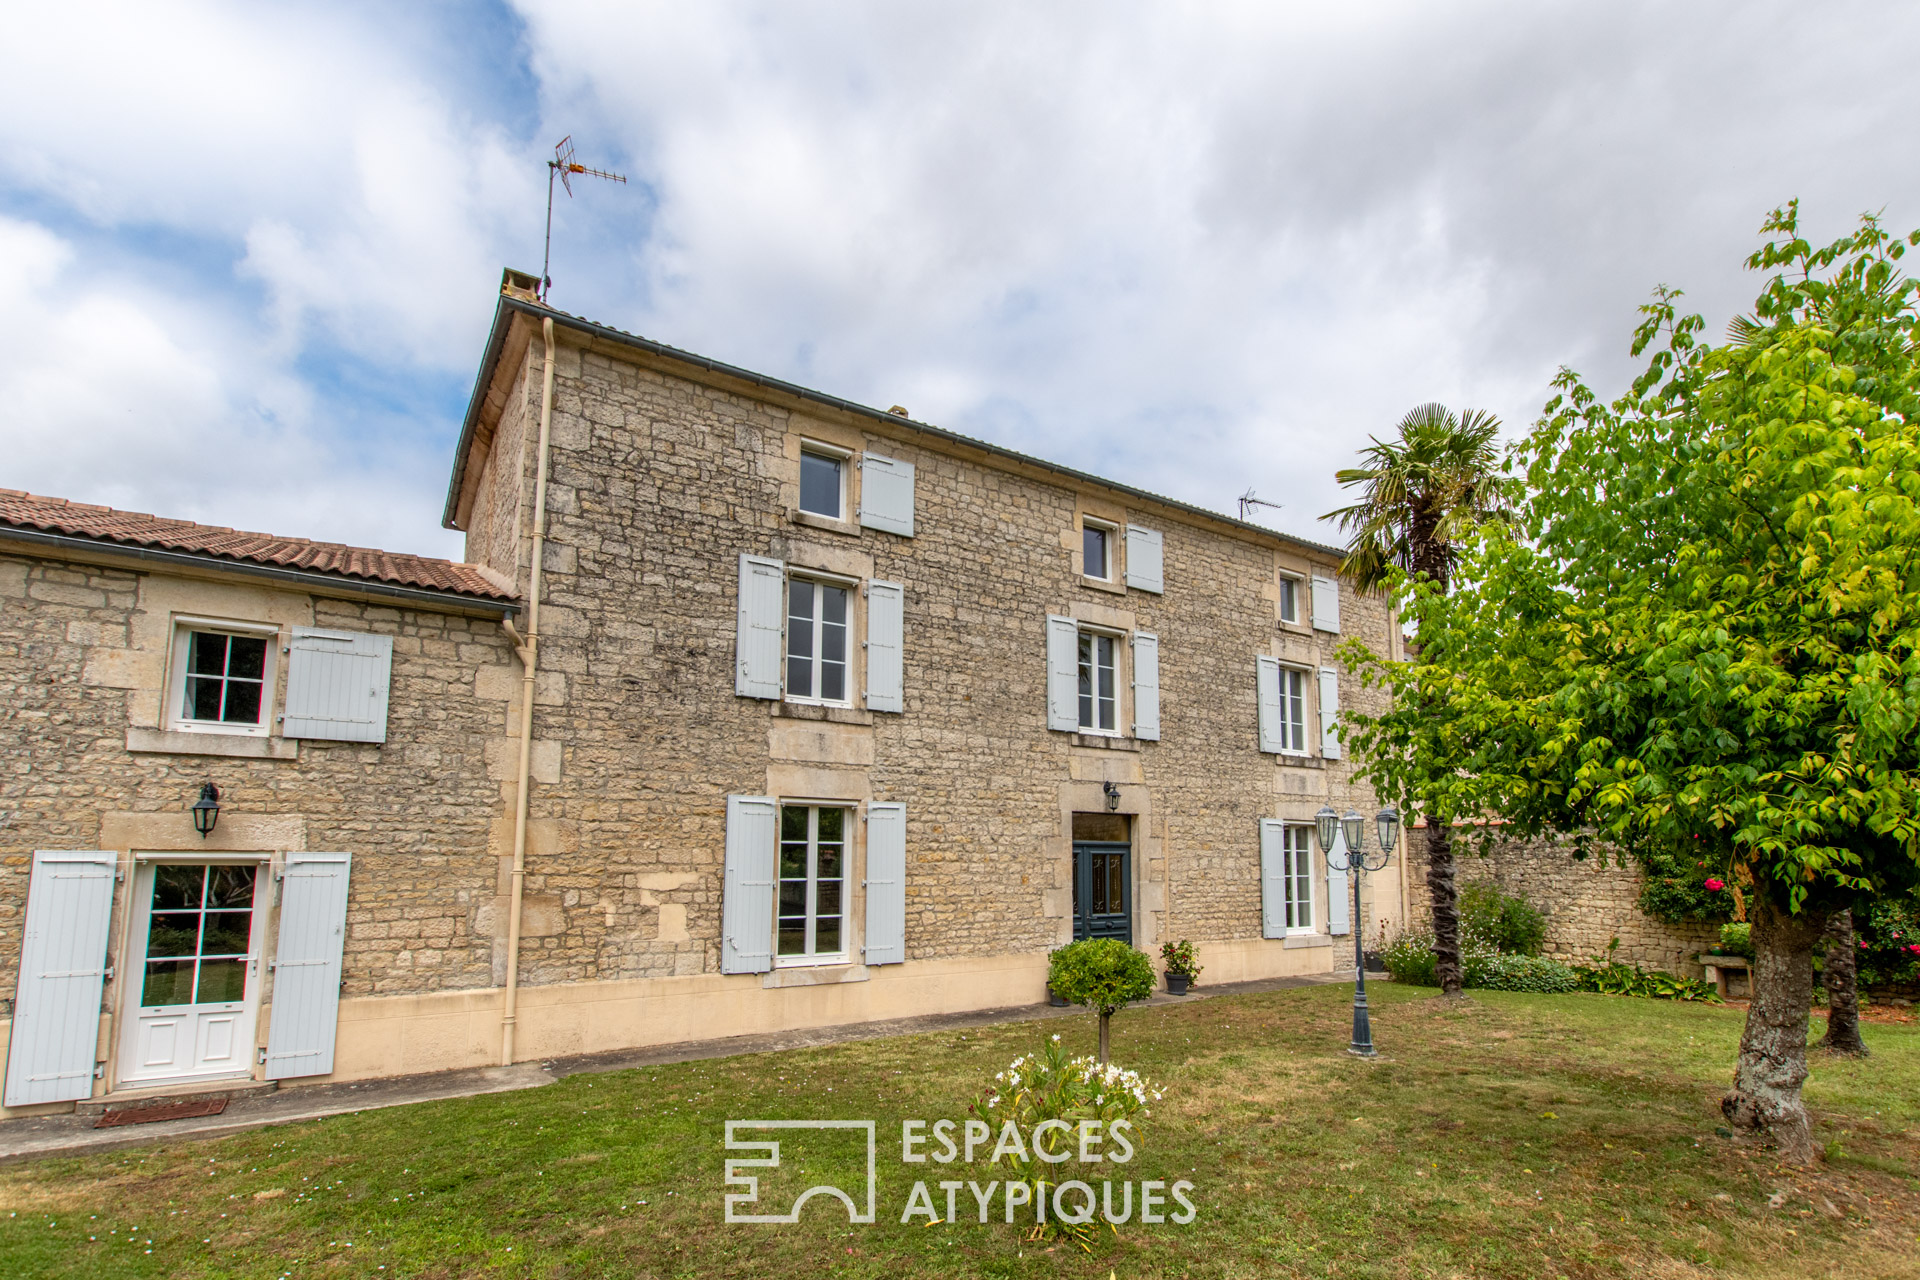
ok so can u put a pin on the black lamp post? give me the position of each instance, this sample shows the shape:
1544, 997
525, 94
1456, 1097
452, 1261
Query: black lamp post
1328, 828
206, 810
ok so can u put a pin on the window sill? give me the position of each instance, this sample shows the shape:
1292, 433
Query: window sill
1104, 742
1104, 584
1296, 941
813, 975
850, 528
236, 745
822, 712
1289, 760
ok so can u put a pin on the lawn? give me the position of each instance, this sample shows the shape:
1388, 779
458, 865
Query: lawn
1522, 1136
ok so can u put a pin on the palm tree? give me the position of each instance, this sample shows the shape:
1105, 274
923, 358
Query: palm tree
1418, 495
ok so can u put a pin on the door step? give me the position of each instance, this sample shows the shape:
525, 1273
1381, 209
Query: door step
165, 1095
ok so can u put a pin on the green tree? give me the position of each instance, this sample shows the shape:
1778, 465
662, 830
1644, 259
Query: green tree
1705, 638
1419, 494
1104, 974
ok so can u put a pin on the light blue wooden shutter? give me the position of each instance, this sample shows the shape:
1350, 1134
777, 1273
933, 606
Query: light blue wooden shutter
1144, 560
63, 966
337, 685
1146, 686
886, 625
746, 903
763, 600
886, 495
1266, 677
1273, 879
1063, 673
1326, 605
1329, 713
306, 964
886, 884
1339, 905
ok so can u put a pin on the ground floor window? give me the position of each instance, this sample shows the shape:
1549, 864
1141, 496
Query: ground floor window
813, 860
199, 934
1297, 871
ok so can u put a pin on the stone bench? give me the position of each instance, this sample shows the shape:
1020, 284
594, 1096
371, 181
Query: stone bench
1718, 967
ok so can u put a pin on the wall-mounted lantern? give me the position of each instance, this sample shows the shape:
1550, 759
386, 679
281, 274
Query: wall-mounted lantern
206, 810
1113, 795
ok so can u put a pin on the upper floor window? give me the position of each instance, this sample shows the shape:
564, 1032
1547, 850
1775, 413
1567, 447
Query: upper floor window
823, 476
817, 625
1289, 598
1096, 550
1293, 710
1099, 682
222, 681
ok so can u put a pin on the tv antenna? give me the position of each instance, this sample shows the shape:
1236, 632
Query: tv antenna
563, 166
1248, 502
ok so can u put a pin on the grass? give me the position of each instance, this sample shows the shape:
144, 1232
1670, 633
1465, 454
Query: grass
1522, 1136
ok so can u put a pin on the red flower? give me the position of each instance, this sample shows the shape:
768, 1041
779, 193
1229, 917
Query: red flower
1715, 886
1915, 948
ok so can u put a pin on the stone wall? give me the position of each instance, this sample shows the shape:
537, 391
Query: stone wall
1586, 904
83, 660
658, 485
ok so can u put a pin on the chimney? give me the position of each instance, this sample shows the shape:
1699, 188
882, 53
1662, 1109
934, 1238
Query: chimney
518, 284
901, 410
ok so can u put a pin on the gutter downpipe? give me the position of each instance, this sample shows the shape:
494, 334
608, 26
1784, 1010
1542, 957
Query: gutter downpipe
529, 651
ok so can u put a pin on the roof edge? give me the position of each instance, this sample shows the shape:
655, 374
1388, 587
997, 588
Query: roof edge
325, 583
508, 306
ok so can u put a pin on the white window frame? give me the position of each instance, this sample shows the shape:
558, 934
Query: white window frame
176, 691
852, 587
1298, 584
1110, 571
1119, 639
850, 823
1296, 861
1293, 733
842, 458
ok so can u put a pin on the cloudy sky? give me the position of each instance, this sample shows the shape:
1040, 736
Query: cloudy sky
248, 253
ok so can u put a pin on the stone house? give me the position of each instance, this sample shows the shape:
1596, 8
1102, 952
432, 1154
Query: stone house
751, 709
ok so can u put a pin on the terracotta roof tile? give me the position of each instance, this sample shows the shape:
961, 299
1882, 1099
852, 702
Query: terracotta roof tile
84, 520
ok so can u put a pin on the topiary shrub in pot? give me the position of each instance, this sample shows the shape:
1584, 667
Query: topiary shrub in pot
1104, 974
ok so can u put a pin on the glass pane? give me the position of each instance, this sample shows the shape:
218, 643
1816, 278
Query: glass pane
230, 886
203, 699
829, 861
833, 605
820, 485
793, 938
826, 935
793, 898
167, 982
222, 981
833, 681
1097, 881
207, 654
793, 861
1093, 551
827, 898
243, 702
1086, 681
226, 933
1288, 607
1116, 883
800, 605
174, 933
177, 888
793, 822
832, 826
246, 657
833, 641
800, 676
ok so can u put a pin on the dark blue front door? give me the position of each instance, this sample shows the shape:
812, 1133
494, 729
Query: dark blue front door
1102, 892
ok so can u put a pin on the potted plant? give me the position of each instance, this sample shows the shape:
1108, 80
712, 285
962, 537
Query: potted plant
1104, 974
1183, 967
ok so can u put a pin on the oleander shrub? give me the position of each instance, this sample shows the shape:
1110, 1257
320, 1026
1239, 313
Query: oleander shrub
1511, 923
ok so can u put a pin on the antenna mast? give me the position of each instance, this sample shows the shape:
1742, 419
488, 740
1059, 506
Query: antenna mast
1248, 502
563, 167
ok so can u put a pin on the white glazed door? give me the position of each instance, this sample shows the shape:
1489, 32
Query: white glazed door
193, 987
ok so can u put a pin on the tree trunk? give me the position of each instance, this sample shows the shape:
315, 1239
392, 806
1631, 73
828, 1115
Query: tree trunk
1103, 1037
1444, 902
1843, 997
1773, 1050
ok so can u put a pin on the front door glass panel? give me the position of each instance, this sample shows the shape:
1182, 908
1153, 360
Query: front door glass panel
199, 935
1101, 891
